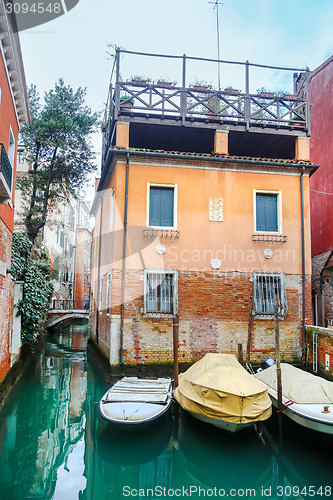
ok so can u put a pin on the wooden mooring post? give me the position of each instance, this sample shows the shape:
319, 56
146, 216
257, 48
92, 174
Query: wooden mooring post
277, 354
175, 329
248, 347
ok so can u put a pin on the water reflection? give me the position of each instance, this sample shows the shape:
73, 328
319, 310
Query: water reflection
43, 423
54, 444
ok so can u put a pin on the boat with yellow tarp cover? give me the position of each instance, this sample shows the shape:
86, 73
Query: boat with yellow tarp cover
219, 391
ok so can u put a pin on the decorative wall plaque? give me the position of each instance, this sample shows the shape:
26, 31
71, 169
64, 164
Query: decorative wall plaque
215, 264
160, 249
216, 209
268, 253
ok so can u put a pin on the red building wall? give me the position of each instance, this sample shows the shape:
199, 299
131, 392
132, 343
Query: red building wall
7, 118
321, 153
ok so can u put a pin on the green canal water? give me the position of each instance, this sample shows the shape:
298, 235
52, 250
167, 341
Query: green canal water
54, 445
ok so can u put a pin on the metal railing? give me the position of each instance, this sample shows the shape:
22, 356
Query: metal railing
70, 304
189, 103
5, 166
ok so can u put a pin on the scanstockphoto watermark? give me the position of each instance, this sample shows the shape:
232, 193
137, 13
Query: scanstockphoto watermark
187, 492
28, 14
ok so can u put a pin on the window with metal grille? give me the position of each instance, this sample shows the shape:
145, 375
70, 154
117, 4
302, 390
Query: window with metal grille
266, 287
267, 212
161, 206
160, 291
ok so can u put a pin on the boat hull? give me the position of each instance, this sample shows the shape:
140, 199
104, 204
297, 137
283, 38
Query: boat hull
133, 414
221, 424
310, 416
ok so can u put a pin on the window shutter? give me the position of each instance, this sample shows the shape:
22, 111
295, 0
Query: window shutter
161, 201
271, 213
167, 207
266, 208
154, 207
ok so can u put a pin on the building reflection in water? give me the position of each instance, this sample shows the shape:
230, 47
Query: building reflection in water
55, 445
47, 419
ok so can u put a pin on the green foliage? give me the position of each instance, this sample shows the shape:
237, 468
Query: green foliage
58, 149
37, 287
21, 247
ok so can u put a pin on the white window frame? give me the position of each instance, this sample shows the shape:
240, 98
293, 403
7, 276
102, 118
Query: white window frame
266, 300
279, 210
158, 273
175, 204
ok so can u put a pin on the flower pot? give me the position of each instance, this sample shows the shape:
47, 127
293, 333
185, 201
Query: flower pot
126, 104
139, 83
266, 94
165, 85
231, 91
289, 97
199, 88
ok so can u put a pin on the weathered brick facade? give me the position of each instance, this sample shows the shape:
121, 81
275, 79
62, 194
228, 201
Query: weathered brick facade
213, 317
14, 112
322, 292
324, 339
6, 300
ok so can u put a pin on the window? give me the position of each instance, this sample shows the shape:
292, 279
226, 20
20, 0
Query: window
11, 147
160, 291
267, 212
266, 287
161, 206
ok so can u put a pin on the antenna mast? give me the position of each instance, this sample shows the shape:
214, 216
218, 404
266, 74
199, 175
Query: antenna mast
216, 6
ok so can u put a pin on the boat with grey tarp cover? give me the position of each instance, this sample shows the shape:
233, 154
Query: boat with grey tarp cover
307, 399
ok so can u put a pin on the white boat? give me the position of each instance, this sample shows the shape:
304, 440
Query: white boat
307, 399
132, 401
219, 391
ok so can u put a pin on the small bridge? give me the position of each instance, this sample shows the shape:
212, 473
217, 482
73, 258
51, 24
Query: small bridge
65, 309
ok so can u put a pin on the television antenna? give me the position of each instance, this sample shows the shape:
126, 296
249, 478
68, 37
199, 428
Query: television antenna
216, 7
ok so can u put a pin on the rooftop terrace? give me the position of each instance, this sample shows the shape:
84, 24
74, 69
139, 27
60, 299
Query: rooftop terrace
165, 116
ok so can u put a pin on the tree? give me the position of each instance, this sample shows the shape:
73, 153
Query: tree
58, 148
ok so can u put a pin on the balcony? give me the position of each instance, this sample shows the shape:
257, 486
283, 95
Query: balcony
6, 171
204, 109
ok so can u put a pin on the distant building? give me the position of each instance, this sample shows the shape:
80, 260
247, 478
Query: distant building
14, 112
67, 238
202, 209
83, 254
321, 192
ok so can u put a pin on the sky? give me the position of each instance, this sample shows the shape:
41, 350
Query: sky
287, 33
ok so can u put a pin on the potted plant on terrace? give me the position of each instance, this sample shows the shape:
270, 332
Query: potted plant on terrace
126, 101
290, 97
231, 91
140, 81
164, 83
263, 92
200, 86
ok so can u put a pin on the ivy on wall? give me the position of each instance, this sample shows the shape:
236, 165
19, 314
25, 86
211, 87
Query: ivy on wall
33, 268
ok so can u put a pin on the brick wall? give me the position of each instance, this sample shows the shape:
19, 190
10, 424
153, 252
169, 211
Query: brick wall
321, 288
324, 347
6, 299
213, 317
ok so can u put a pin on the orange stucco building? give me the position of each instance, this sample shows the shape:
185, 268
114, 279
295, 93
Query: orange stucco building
205, 217
13, 112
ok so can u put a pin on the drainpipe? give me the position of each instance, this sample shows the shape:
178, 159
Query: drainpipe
303, 260
122, 305
99, 267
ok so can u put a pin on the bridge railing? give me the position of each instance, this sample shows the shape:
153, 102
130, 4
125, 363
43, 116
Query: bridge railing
70, 304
